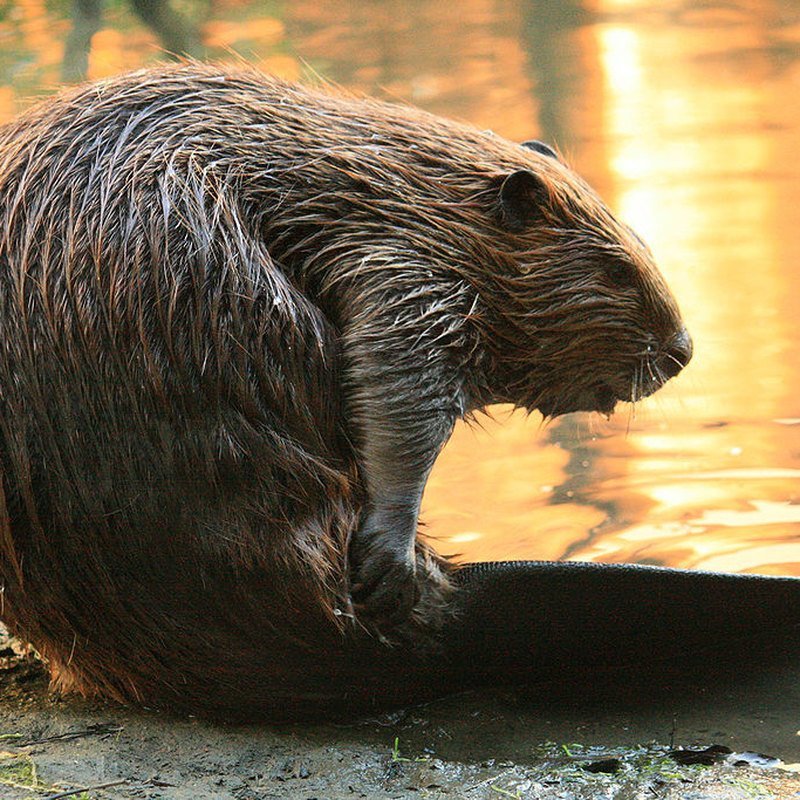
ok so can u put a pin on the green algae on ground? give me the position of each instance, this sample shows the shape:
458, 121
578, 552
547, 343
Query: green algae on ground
19, 771
398, 759
748, 786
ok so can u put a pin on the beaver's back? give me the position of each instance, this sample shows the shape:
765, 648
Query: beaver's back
173, 456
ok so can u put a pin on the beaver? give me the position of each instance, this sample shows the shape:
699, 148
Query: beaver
239, 320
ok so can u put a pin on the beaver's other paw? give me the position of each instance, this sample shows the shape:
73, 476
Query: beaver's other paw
383, 580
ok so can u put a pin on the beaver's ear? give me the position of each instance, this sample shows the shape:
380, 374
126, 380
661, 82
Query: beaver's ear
540, 147
524, 200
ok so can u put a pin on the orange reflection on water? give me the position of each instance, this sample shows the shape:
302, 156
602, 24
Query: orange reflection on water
493, 484
228, 33
470, 64
115, 51
39, 32
698, 497
8, 105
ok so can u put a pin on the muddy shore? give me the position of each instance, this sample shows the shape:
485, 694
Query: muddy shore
492, 745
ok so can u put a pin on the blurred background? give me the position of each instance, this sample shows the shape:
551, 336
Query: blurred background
684, 114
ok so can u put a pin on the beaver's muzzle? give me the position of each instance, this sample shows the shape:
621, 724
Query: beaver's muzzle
665, 363
677, 353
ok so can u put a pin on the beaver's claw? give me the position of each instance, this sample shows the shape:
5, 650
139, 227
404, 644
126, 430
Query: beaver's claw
383, 577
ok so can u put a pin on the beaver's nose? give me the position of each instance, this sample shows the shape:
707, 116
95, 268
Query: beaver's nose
676, 354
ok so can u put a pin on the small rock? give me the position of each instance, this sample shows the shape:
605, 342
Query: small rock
708, 757
609, 765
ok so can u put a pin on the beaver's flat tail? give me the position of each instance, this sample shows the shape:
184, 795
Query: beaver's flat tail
522, 622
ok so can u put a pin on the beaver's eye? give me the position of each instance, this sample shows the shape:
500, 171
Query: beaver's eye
621, 274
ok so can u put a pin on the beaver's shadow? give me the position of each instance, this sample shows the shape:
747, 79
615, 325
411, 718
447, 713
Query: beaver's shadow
745, 699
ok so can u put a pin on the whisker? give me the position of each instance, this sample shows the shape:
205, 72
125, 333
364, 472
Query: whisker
680, 364
654, 381
639, 379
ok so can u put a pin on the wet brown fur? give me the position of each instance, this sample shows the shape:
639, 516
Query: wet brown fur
191, 259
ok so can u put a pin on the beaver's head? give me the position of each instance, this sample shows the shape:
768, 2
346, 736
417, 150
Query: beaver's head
583, 318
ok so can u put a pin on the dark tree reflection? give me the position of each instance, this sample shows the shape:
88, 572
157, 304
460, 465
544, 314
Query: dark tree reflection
178, 34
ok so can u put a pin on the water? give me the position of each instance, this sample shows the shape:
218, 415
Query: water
683, 115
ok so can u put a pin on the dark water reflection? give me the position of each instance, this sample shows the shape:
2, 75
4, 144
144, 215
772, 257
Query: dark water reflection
683, 115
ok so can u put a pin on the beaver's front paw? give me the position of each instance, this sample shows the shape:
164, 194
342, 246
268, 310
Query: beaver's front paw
383, 578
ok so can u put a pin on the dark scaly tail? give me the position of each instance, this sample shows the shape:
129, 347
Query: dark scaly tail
523, 621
